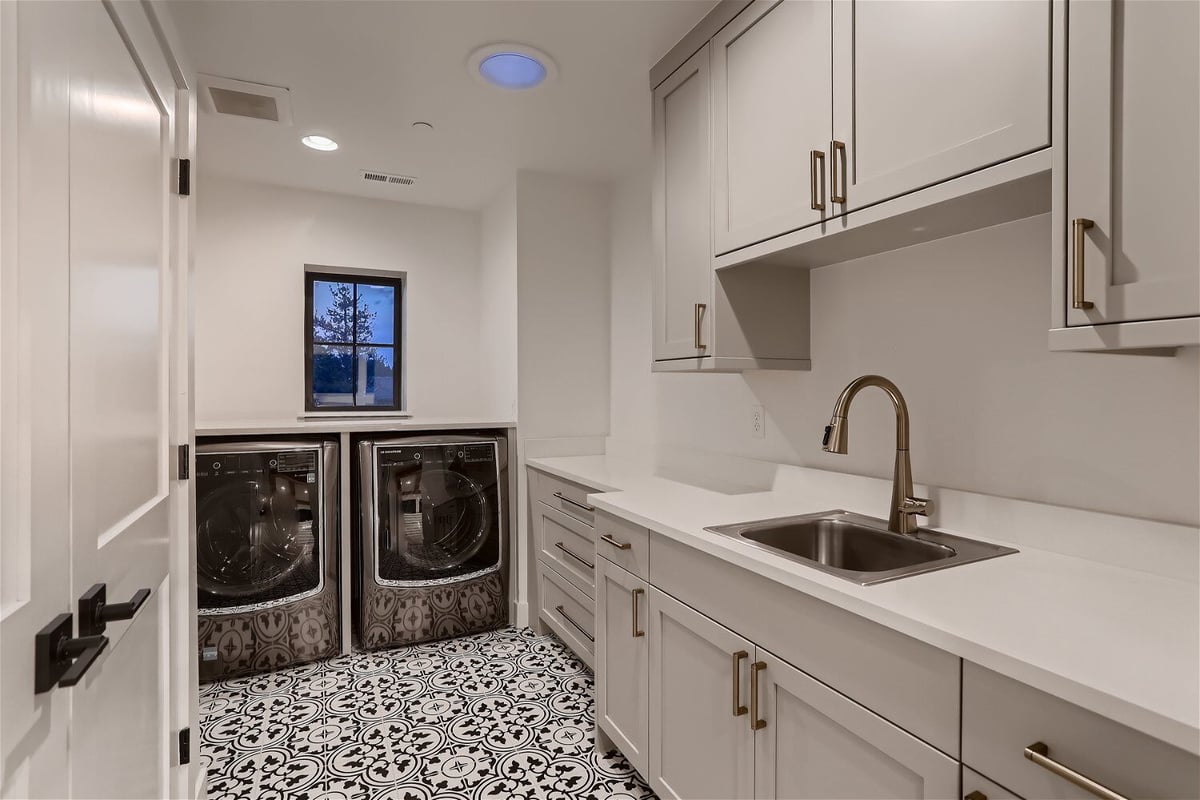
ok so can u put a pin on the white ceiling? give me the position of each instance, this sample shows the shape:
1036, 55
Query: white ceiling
363, 71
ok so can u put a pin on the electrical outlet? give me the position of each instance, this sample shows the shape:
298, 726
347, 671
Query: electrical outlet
758, 422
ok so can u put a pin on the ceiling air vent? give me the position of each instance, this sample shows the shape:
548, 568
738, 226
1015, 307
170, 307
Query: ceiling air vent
234, 98
383, 177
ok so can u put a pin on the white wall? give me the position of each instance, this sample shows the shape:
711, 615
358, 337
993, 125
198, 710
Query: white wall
498, 303
563, 316
960, 325
253, 242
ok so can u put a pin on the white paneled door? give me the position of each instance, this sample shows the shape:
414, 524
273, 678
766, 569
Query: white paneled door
88, 101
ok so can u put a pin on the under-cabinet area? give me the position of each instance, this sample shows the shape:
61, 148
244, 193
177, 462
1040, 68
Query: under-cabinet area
607, 400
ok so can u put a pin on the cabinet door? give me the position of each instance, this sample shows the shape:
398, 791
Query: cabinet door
701, 742
622, 661
772, 91
682, 212
1133, 160
926, 91
819, 744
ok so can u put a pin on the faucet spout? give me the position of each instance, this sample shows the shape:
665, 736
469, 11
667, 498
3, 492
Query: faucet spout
836, 440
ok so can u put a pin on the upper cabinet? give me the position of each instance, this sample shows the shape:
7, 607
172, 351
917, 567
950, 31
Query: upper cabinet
926, 91
772, 95
1126, 234
696, 324
682, 212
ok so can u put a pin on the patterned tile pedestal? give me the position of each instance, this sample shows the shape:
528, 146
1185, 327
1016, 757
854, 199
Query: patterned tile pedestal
504, 714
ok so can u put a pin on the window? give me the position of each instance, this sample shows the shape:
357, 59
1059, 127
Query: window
352, 341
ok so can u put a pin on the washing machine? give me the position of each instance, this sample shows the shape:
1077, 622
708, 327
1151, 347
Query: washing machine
266, 555
431, 546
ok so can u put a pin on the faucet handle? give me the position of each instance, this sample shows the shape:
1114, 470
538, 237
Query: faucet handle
921, 506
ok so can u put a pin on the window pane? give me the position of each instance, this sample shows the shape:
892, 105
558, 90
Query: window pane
376, 314
376, 376
333, 376
333, 312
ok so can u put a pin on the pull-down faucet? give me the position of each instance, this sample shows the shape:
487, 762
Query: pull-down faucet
904, 505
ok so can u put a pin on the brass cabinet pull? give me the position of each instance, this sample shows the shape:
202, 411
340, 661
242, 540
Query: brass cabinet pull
817, 175
575, 503
637, 632
1078, 226
700, 308
604, 537
756, 724
578, 627
1039, 753
738, 708
838, 157
574, 555
975, 795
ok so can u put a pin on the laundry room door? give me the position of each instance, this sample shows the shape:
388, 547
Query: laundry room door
87, 95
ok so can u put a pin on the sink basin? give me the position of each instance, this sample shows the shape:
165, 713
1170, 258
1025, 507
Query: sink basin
857, 548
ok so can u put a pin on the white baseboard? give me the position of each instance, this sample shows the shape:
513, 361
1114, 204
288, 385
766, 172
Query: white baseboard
520, 614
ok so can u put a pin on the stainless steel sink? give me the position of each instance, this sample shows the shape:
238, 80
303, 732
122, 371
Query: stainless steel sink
858, 548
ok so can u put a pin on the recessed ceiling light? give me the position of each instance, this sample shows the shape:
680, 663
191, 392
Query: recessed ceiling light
320, 143
511, 66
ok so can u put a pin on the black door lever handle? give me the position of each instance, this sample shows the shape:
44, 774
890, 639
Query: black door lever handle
95, 612
59, 659
85, 650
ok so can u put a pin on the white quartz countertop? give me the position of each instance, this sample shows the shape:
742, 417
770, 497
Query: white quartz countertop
1124, 643
347, 424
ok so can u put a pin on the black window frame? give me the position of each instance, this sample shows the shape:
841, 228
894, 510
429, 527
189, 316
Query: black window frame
311, 276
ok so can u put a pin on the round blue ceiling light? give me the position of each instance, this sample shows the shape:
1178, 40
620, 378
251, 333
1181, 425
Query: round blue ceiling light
512, 70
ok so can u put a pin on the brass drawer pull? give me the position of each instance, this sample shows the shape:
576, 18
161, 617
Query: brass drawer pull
838, 156
637, 632
976, 795
578, 627
575, 503
604, 537
756, 724
817, 155
1078, 226
738, 708
1039, 753
700, 308
574, 555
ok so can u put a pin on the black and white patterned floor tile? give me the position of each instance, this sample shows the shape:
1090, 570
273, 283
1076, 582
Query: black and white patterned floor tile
505, 714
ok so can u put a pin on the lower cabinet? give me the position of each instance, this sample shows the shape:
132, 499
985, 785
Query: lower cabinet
724, 718
702, 744
622, 661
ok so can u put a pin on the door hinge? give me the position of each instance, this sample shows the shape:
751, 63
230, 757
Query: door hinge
185, 177
185, 462
185, 746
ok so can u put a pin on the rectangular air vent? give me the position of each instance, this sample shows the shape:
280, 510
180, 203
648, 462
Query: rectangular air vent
234, 98
383, 177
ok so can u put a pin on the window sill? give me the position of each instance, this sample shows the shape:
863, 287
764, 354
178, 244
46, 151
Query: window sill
354, 415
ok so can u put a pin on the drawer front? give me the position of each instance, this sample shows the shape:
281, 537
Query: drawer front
569, 613
569, 498
1001, 717
977, 787
624, 544
908, 682
569, 546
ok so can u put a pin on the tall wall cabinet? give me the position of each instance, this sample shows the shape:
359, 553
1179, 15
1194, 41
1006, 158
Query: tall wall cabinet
1127, 242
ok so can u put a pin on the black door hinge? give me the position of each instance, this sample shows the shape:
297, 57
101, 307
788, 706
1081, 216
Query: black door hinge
185, 462
185, 746
185, 177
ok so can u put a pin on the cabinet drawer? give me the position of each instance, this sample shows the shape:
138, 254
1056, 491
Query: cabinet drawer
903, 680
624, 544
1002, 717
568, 545
569, 613
569, 498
